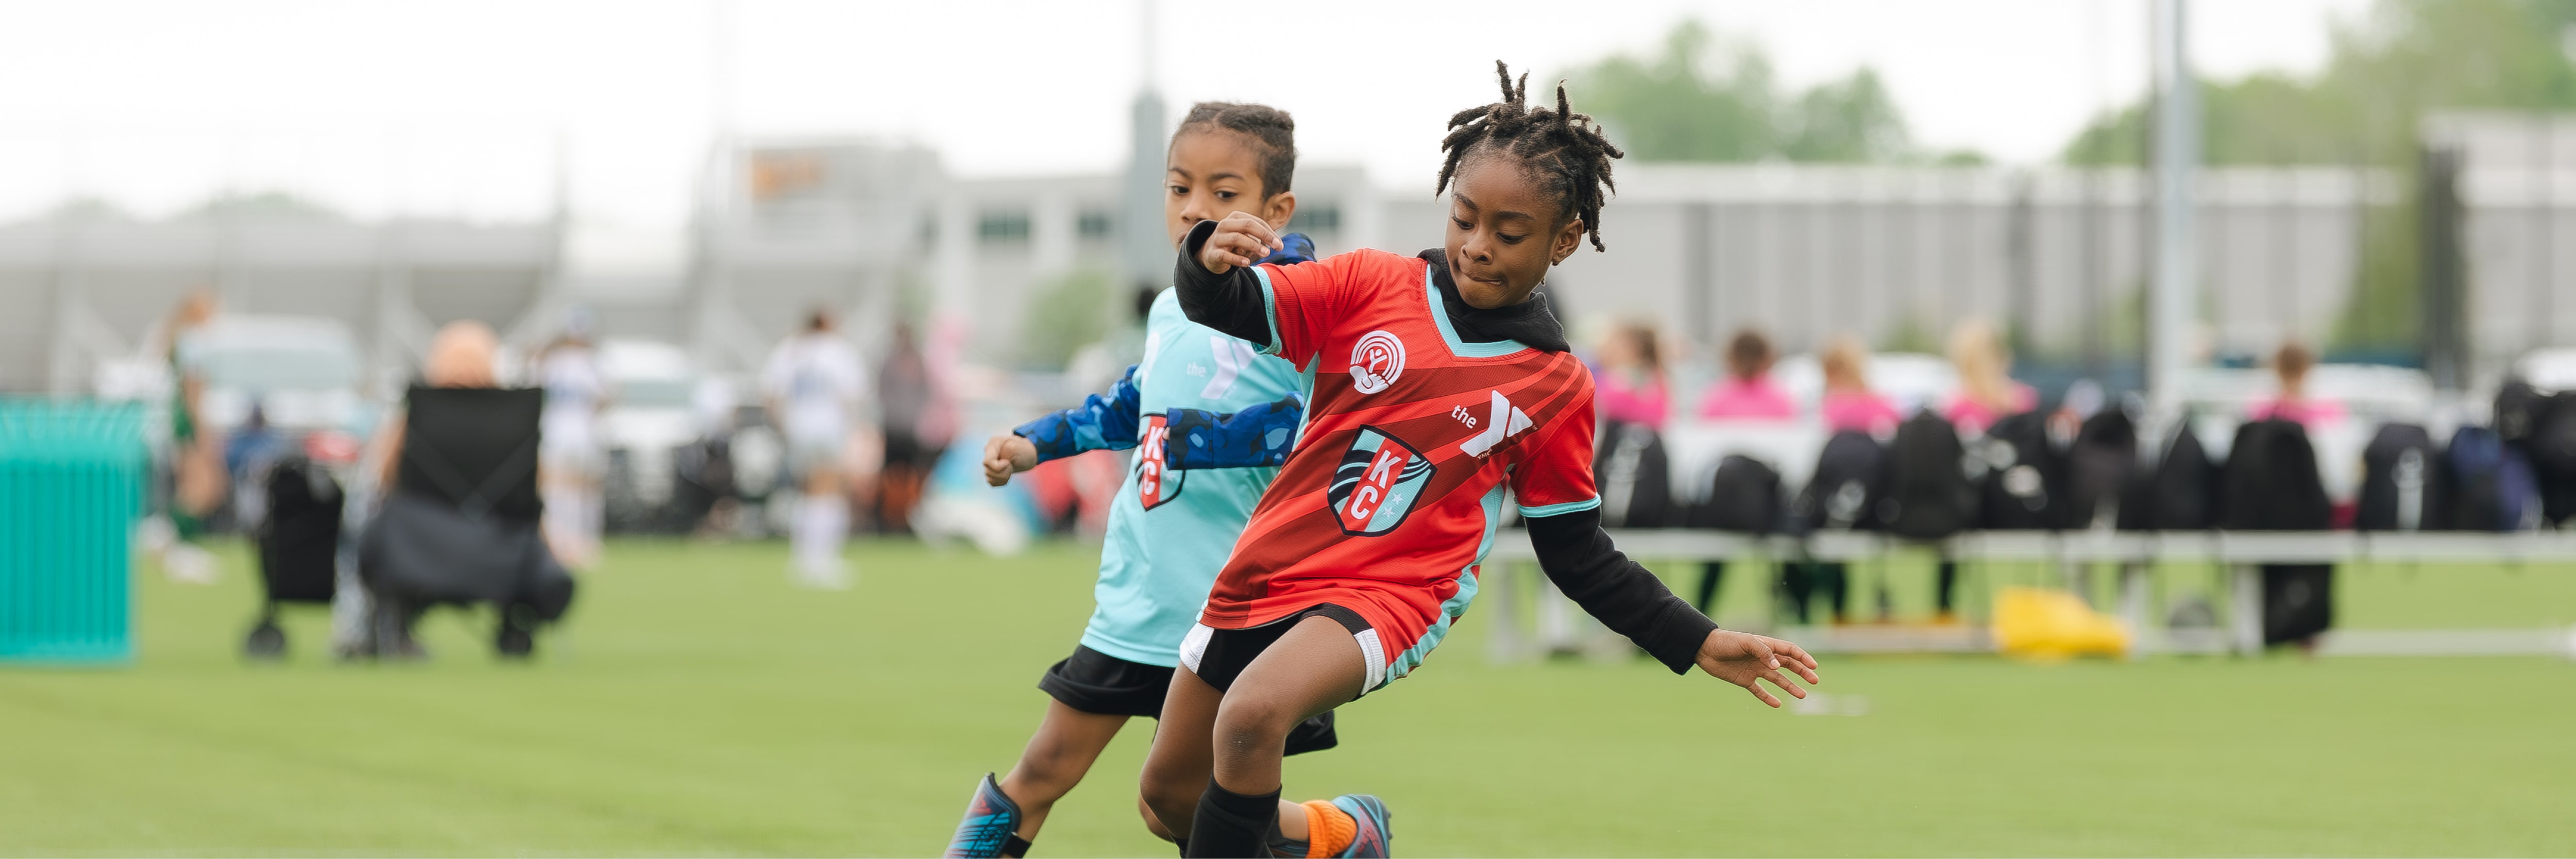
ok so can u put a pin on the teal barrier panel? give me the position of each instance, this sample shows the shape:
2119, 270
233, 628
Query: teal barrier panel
72, 477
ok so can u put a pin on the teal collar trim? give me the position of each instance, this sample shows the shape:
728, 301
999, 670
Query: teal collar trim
1449, 333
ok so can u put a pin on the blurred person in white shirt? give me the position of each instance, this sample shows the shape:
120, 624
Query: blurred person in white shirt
814, 384
571, 459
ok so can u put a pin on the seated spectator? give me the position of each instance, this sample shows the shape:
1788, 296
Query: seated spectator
459, 506
2291, 366
1747, 390
1849, 404
1987, 392
1629, 385
1746, 393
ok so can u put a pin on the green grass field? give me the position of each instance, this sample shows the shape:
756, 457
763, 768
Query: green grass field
696, 704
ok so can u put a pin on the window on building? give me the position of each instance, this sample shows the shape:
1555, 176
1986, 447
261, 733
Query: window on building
1323, 218
1095, 225
998, 228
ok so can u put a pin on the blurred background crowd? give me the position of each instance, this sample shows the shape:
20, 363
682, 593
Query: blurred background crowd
802, 349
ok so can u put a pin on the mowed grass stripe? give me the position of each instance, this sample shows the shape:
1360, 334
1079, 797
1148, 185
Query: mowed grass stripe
698, 705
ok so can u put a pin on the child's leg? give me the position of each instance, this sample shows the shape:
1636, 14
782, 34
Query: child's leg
1003, 816
1176, 769
1059, 754
1315, 667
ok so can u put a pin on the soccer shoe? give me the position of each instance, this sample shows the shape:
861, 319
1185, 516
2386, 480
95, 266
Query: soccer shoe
991, 829
1376, 825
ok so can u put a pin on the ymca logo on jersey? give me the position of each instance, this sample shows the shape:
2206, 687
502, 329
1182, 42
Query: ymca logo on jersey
1502, 420
1375, 361
1377, 483
1156, 481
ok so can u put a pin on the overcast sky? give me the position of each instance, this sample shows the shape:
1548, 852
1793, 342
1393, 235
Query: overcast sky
466, 106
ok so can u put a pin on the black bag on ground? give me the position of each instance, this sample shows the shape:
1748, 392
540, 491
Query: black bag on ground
2099, 469
299, 539
2491, 486
2271, 481
1850, 479
2401, 481
1636, 478
2025, 484
2298, 601
2180, 493
1744, 497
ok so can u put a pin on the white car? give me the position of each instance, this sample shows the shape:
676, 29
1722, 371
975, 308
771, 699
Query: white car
651, 414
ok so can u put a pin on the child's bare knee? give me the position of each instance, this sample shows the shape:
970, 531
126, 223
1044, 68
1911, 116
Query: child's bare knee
1252, 722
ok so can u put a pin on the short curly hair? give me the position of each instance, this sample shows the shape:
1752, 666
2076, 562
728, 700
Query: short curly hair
1270, 130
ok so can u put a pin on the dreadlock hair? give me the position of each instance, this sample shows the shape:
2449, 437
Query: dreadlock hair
1565, 151
1272, 134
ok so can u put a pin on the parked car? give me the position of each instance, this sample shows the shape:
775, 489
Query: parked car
649, 419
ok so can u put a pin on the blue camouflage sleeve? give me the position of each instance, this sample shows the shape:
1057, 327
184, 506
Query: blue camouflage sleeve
1255, 437
1103, 422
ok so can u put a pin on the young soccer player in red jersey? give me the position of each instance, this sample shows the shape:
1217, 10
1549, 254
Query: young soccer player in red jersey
1439, 385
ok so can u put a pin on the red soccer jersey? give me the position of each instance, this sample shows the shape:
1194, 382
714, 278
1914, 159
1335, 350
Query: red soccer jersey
1392, 494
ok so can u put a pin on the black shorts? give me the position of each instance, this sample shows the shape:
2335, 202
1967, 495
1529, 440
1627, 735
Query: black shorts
1218, 656
1096, 682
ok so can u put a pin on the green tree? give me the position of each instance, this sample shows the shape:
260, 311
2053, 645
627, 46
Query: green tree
2401, 60
1708, 98
1852, 119
1065, 315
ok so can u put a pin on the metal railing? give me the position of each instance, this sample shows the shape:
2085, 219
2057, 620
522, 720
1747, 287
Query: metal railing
2241, 553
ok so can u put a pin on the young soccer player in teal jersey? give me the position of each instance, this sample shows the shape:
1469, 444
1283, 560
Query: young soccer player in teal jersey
1210, 420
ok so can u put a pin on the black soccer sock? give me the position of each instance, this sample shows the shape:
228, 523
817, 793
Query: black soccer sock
1231, 825
1281, 844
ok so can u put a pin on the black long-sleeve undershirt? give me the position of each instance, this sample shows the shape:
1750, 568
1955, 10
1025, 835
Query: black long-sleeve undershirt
1577, 555
1572, 549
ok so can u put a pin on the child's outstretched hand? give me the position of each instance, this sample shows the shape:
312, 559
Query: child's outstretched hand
1743, 658
1007, 454
1240, 240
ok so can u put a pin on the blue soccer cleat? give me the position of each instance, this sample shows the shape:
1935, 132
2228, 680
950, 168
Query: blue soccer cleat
1376, 825
991, 829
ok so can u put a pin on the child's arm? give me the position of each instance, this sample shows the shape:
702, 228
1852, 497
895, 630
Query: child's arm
1216, 284
1103, 422
1555, 474
1258, 436
1578, 556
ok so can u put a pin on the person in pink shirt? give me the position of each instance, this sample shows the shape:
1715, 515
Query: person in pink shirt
1629, 385
1747, 391
1745, 394
1849, 404
2292, 364
1987, 392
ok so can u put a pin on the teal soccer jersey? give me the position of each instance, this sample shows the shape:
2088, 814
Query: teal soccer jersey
1210, 421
